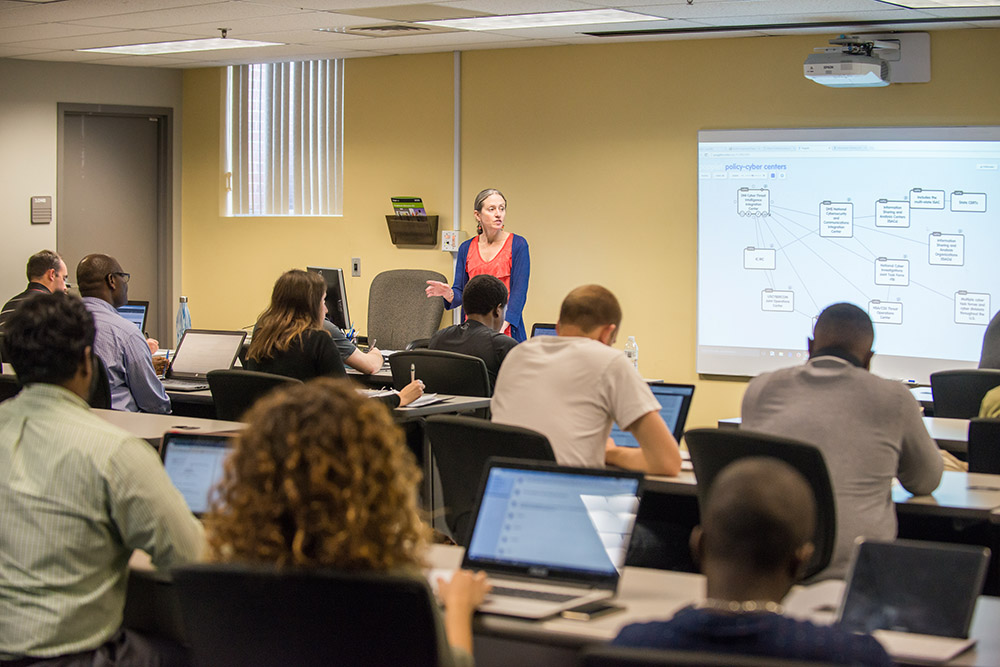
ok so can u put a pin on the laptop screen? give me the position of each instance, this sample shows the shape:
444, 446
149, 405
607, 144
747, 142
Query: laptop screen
540, 329
907, 586
135, 312
545, 520
194, 465
675, 401
201, 351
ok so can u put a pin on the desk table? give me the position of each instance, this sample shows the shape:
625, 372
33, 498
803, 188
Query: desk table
657, 594
151, 427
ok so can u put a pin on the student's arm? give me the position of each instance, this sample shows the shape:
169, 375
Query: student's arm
146, 388
461, 596
520, 271
365, 362
658, 452
920, 463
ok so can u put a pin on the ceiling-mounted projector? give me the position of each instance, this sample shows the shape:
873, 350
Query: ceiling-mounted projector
855, 61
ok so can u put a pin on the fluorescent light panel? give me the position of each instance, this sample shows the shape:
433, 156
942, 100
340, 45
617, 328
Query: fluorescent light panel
184, 46
544, 20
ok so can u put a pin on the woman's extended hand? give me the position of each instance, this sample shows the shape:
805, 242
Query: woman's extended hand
438, 288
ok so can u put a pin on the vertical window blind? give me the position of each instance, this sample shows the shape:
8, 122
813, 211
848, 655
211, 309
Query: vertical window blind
285, 138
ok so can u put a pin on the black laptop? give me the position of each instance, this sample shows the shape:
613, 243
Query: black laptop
194, 463
136, 313
675, 401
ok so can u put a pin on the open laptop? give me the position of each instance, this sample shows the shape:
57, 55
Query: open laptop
915, 598
194, 464
550, 537
135, 312
675, 401
201, 351
543, 329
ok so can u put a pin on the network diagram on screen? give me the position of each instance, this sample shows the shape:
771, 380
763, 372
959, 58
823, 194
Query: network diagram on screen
902, 222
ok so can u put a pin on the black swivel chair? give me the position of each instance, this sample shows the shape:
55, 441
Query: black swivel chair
984, 445
100, 386
613, 656
713, 449
9, 387
443, 372
234, 391
959, 393
238, 615
460, 447
418, 344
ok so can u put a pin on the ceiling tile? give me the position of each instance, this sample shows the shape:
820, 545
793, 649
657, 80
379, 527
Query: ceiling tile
118, 38
71, 10
519, 6
215, 11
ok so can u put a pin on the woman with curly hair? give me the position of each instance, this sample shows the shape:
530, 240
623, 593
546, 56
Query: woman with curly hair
289, 339
321, 477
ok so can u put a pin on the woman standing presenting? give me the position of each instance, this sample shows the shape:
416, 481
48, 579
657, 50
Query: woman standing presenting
496, 252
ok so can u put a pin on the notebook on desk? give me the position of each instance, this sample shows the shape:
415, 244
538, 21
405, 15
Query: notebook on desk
201, 351
675, 401
916, 598
194, 463
550, 537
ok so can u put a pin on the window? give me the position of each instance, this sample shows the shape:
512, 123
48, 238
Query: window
284, 130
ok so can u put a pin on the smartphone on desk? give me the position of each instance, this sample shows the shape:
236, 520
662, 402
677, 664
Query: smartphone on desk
591, 610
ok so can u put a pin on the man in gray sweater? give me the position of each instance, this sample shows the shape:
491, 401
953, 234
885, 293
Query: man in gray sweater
868, 428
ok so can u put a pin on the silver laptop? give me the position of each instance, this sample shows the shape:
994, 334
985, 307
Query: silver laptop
201, 351
916, 598
549, 537
194, 463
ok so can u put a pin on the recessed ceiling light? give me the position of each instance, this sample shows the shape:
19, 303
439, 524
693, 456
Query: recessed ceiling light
184, 46
545, 20
944, 4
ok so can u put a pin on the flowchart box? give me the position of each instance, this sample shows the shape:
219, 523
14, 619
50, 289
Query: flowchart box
777, 301
968, 202
947, 249
759, 258
885, 312
892, 271
926, 198
892, 213
836, 219
754, 202
972, 308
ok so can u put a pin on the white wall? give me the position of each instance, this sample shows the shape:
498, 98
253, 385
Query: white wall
29, 93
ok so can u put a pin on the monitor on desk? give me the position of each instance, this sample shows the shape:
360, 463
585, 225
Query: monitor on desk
336, 296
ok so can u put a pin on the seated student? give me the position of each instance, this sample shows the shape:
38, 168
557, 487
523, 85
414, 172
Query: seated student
78, 495
868, 428
364, 362
121, 346
753, 541
289, 339
485, 301
320, 478
47, 274
570, 387
990, 407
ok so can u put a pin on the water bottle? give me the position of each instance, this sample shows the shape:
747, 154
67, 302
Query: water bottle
632, 351
183, 319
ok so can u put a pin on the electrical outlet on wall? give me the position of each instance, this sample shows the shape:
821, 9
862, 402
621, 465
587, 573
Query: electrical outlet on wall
356, 267
449, 240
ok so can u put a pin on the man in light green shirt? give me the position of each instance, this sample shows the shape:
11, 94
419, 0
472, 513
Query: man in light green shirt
77, 496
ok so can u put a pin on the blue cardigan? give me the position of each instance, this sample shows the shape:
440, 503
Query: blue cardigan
519, 270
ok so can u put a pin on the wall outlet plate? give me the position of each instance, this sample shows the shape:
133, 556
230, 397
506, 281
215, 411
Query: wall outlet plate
450, 240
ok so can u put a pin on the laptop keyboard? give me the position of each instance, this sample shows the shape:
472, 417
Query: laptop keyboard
533, 595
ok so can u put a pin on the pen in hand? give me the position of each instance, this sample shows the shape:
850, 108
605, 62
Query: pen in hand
413, 372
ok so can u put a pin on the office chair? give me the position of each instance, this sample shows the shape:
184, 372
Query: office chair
984, 445
459, 448
9, 387
959, 393
234, 391
238, 615
617, 656
399, 310
443, 372
418, 344
100, 386
713, 449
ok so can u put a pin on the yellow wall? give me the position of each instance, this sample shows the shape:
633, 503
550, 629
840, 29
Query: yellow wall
595, 147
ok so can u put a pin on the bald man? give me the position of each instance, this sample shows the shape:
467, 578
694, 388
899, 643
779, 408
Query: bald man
119, 343
752, 544
868, 428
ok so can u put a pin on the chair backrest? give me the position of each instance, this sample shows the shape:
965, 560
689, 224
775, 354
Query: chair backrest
460, 448
9, 387
234, 391
959, 393
418, 344
713, 449
100, 386
615, 656
984, 445
236, 615
442, 372
399, 310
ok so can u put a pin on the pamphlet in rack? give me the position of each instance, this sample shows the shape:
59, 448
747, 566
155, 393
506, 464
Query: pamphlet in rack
407, 207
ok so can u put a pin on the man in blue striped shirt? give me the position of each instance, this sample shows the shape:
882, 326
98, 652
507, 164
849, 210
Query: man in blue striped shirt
119, 344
